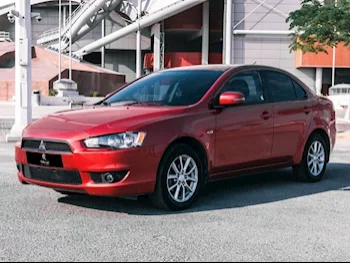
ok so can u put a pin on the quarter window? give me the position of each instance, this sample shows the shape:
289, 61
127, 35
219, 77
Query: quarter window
301, 93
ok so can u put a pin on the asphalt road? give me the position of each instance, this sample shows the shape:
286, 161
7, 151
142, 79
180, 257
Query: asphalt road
265, 217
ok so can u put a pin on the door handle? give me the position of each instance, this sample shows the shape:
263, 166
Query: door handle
266, 115
307, 110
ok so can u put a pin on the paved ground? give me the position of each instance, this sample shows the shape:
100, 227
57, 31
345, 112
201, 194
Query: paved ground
266, 217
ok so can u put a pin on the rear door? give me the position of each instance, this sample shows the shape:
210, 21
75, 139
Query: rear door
292, 114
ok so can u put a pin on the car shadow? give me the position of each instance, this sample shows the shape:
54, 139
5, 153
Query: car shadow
237, 192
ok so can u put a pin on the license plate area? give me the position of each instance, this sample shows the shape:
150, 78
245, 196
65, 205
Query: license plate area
45, 160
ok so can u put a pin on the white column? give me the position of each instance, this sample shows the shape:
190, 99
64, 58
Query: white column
59, 40
138, 44
229, 32
156, 47
64, 15
23, 90
333, 66
319, 78
103, 49
70, 40
224, 33
205, 34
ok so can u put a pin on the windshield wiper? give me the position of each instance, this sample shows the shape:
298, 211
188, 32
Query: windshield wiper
137, 102
105, 103
129, 103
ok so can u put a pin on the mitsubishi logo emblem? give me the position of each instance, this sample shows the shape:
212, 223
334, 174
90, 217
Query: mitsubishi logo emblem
44, 161
42, 146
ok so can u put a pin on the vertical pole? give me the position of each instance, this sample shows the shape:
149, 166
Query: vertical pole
138, 43
59, 40
103, 49
205, 35
64, 16
319, 77
70, 39
229, 32
334, 56
23, 89
224, 33
157, 47
333, 66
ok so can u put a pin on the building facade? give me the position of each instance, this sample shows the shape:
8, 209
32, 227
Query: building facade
260, 35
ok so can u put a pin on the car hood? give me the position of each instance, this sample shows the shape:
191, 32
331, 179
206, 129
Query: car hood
101, 120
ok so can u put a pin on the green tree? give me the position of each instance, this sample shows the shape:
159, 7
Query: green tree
319, 25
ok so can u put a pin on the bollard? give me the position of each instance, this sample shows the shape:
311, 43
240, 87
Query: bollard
37, 97
347, 115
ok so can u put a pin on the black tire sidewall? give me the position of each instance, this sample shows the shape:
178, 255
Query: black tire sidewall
170, 156
307, 172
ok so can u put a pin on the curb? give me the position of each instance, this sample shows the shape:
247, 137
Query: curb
6, 124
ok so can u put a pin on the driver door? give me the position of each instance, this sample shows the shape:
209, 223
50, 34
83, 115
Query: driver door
244, 133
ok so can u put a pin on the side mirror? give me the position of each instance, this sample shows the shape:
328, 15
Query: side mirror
231, 99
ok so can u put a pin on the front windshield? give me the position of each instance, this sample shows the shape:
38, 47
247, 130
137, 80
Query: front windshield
168, 88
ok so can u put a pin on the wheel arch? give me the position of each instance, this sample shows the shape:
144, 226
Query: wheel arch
196, 145
325, 136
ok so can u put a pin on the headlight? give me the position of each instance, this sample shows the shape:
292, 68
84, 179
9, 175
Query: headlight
117, 141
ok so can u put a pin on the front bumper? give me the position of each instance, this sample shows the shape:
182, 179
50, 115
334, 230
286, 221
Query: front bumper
139, 165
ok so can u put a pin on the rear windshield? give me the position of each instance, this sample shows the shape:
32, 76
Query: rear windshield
169, 88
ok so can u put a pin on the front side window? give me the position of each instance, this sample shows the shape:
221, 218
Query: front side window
249, 84
280, 86
168, 88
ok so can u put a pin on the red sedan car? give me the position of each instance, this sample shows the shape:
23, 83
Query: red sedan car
169, 133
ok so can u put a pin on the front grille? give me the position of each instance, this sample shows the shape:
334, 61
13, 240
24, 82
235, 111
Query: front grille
50, 146
52, 175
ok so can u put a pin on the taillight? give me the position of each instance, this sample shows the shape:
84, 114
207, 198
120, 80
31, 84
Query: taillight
333, 115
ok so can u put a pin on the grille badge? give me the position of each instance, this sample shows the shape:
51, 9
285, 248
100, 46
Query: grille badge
42, 146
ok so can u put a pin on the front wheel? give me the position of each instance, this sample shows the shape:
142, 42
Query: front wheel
314, 162
180, 179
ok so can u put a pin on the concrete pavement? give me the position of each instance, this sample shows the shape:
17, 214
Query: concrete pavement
263, 217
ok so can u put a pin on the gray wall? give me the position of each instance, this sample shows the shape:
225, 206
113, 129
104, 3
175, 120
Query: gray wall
247, 49
126, 43
122, 61
263, 49
50, 20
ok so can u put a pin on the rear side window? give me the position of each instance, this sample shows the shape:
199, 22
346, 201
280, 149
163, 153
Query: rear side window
280, 86
300, 92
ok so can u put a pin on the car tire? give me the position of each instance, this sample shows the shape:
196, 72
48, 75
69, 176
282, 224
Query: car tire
314, 163
171, 184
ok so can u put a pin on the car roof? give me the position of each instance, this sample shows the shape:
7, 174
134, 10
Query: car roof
222, 67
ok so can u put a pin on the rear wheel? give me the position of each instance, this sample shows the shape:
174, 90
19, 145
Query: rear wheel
180, 179
314, 162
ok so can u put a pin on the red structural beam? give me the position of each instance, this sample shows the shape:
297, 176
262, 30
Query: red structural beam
182, 59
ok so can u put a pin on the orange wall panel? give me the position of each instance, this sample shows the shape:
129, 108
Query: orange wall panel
322, 60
